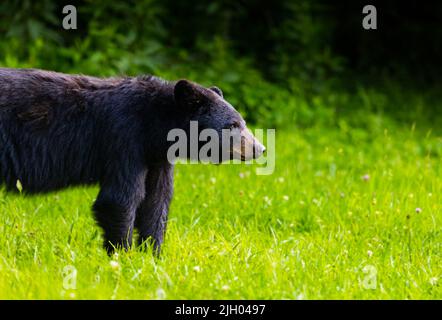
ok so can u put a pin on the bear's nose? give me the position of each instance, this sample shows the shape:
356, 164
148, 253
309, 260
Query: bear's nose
258, 149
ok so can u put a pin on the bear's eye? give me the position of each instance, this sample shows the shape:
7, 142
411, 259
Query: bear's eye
233, 126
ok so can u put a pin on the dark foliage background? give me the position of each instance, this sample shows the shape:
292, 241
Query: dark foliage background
280, 62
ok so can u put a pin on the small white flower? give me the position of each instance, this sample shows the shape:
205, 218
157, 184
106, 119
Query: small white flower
197, 268
225, 288
267, 200
433, 281
114, 265
286, 198
369, 253
161, 294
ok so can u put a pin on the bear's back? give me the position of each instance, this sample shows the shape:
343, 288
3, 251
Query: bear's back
58, 130
22, 82
47, 130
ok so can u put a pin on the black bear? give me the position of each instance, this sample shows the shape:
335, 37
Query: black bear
58, 130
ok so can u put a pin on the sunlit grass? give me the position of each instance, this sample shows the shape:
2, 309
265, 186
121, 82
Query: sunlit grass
347, 214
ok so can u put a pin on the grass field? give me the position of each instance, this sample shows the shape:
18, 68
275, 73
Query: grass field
347, 214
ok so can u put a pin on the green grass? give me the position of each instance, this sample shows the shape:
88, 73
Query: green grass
311, 230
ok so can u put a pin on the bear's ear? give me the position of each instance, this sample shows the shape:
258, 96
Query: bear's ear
217, 91
188, 95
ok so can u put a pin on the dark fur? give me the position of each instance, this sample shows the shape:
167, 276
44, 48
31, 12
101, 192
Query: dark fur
59, 130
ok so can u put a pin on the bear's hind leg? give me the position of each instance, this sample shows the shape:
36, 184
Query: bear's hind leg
151, 215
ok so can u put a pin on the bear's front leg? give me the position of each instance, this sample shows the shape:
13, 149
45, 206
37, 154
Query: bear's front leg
151, 216
115, 209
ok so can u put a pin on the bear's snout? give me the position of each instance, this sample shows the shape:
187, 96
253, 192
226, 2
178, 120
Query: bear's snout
249, 148
258, 149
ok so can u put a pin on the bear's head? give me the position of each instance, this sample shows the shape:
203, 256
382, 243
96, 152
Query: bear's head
215, 118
